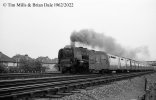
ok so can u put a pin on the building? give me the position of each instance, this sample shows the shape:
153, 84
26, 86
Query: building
49, 64
7, 61
19, 57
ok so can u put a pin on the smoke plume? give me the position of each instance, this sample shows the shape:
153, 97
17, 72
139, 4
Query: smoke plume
108, 44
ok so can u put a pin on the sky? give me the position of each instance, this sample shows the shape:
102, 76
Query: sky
42, 31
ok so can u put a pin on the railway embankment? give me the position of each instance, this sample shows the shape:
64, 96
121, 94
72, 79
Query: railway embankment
131, 89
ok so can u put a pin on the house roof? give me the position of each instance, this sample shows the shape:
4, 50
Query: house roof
5, 58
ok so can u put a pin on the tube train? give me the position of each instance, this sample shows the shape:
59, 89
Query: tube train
81, 60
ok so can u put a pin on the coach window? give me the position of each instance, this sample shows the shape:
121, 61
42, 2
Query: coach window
113, 57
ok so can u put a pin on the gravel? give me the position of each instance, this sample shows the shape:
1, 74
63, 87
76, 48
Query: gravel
131, 89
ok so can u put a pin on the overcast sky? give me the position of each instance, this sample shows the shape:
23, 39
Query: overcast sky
42, 31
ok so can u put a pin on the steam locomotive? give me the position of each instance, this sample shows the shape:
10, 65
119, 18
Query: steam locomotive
81, 60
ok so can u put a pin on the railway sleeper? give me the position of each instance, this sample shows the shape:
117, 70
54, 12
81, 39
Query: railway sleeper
29, 93
61, 91
64, 93
53, 96
85, 84
73, 86
76, 91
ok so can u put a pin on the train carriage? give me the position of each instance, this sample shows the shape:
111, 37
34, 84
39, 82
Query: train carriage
122, 63
98, 61
132, 65
136, 65
82, 60
113, 62
142, 66
128, 64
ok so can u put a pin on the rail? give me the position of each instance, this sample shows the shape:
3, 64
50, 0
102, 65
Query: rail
6, 76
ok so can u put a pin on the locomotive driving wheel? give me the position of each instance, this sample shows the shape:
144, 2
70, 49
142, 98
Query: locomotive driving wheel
73, 70
63, 70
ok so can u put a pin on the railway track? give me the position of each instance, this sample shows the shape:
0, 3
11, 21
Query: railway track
56, 85
6, 76
20, 82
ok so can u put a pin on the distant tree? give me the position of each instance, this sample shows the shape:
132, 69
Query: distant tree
26, 65
38, 66
3, 68
31, 66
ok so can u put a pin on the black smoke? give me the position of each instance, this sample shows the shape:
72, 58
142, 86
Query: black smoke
108, 44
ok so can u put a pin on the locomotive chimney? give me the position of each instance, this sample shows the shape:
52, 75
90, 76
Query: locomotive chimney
73, 44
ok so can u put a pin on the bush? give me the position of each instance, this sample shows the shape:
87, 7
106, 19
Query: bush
3, 68
30, 66
13, 70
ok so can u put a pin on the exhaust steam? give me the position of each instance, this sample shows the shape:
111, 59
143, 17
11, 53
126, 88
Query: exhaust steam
99, 41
